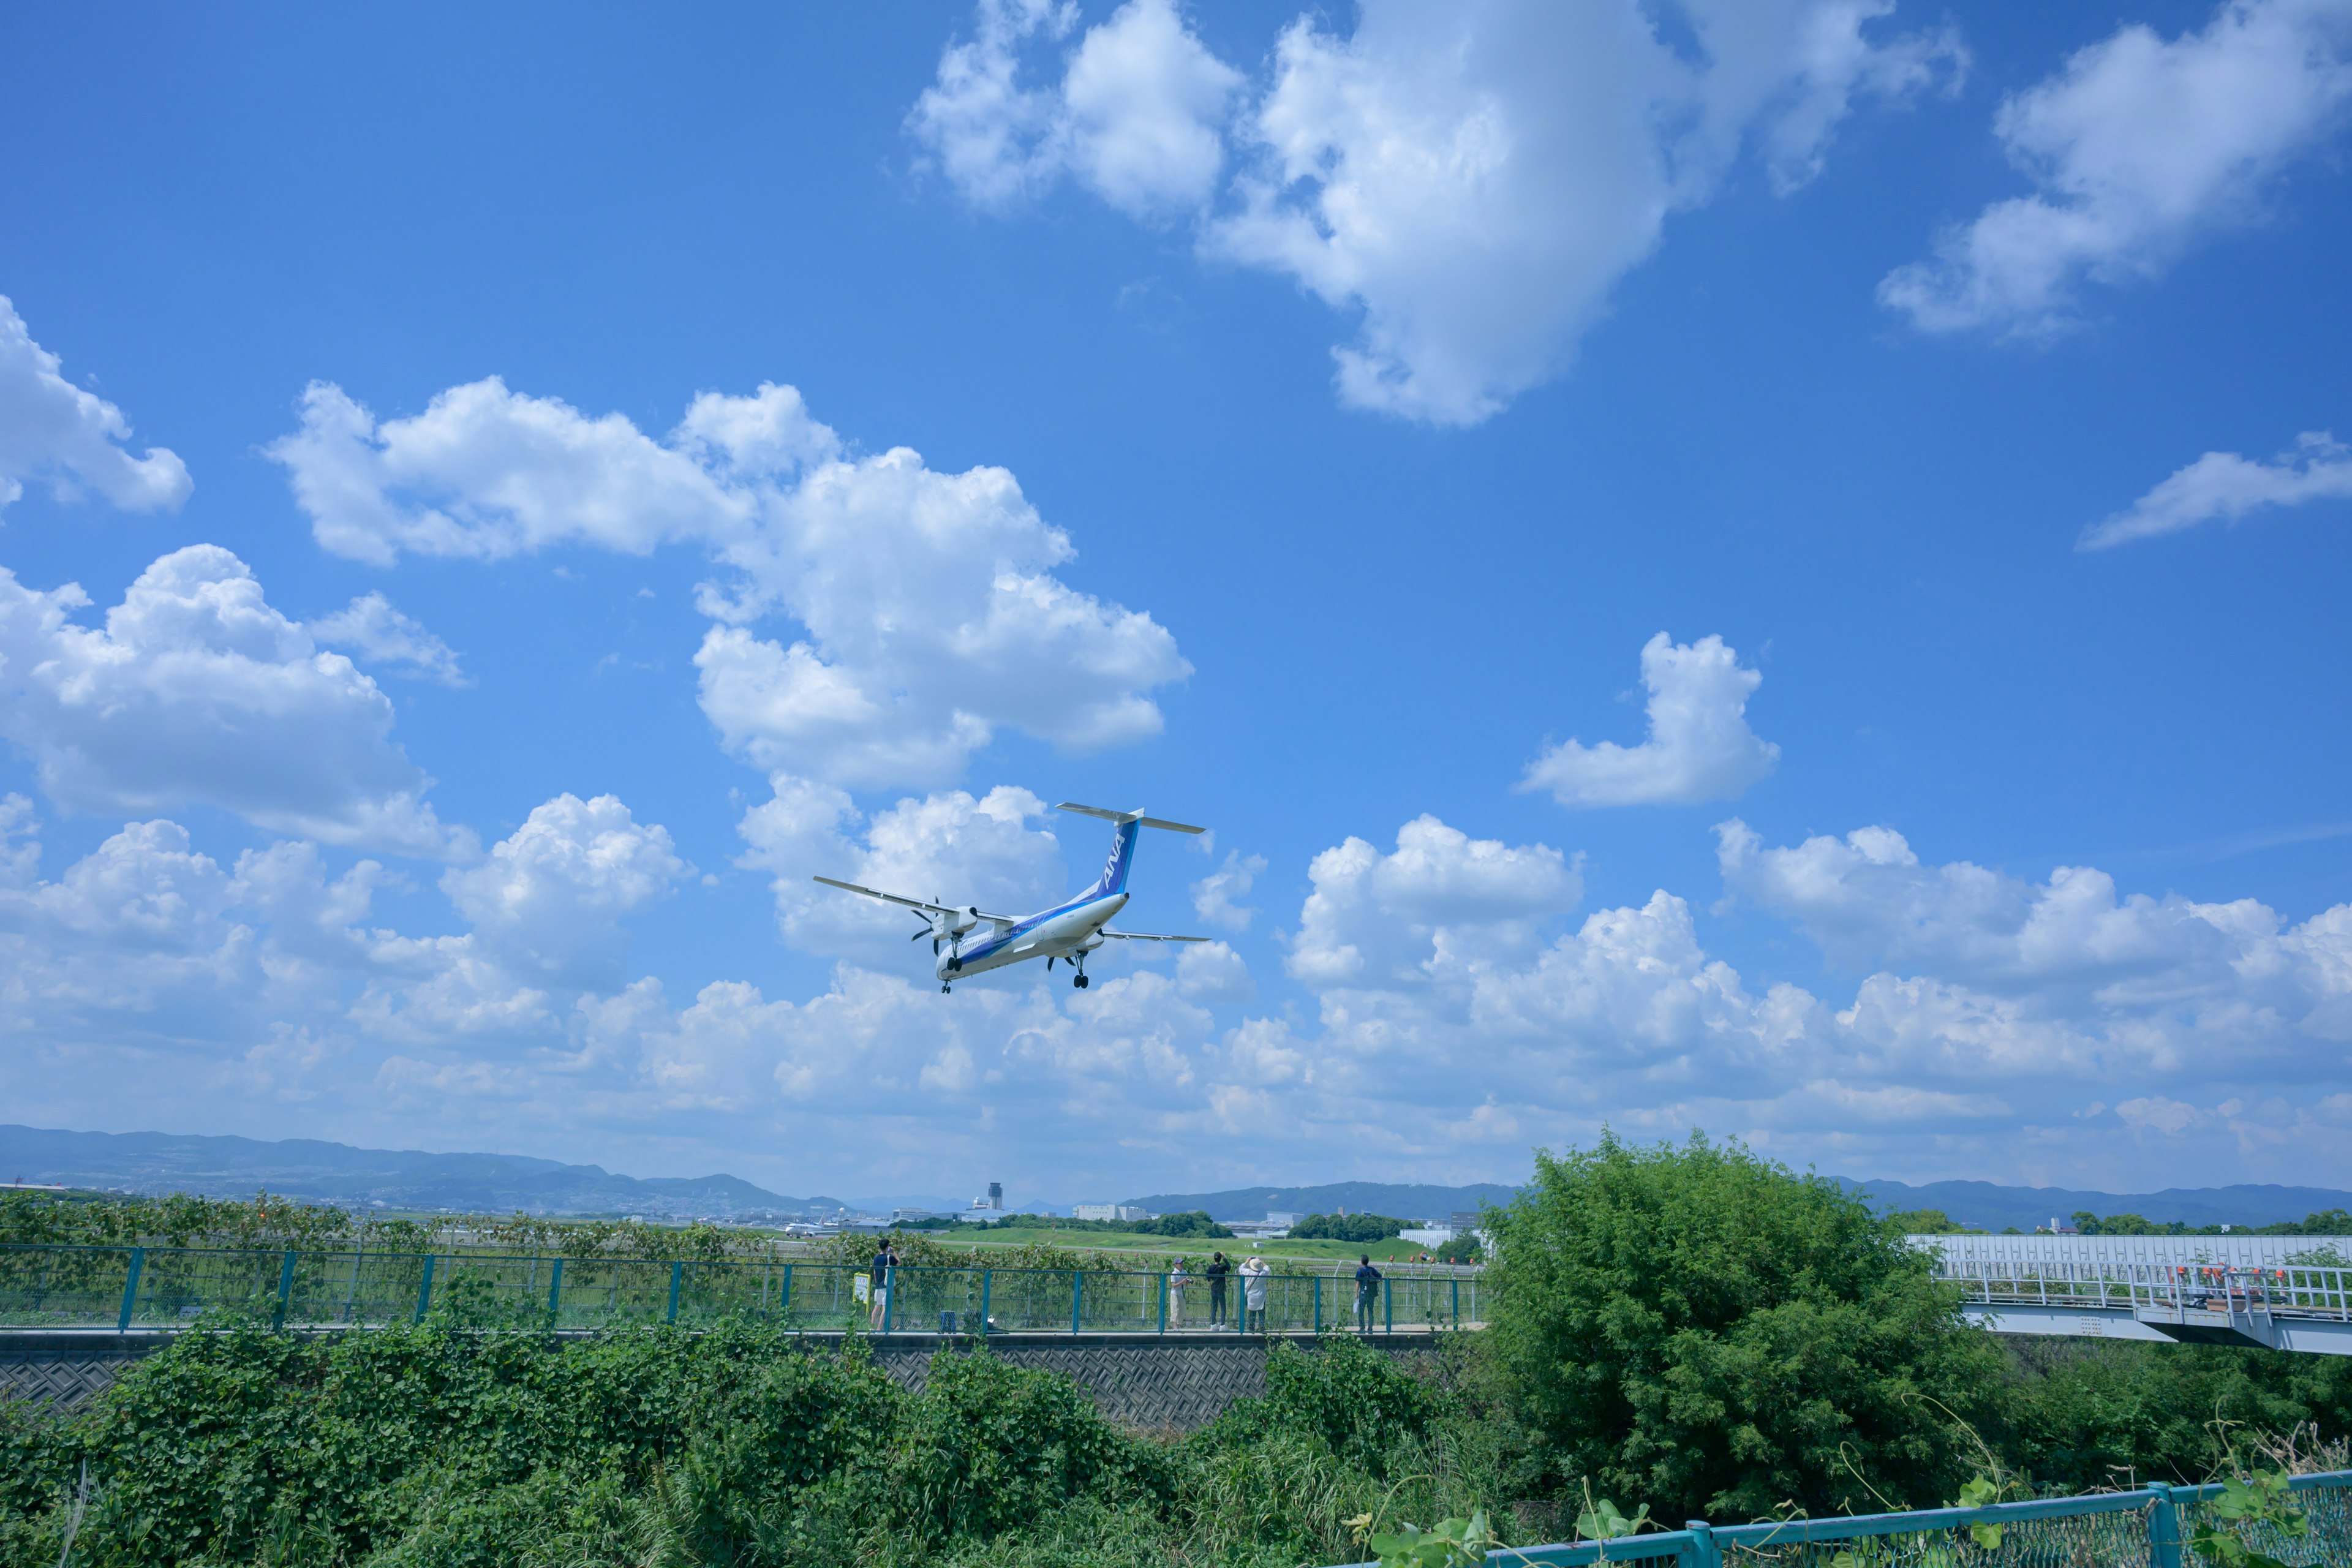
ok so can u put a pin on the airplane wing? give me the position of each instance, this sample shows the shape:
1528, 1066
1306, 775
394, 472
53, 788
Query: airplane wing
904, 902
1147, 936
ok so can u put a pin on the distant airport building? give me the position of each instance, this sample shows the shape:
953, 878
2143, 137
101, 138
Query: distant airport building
1109, 1211
1272, 1227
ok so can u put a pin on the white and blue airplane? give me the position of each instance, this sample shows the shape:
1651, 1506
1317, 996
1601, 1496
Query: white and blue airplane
1069, 931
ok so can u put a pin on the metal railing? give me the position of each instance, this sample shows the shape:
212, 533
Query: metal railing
122, 1287
2151, 1527
2286, 1289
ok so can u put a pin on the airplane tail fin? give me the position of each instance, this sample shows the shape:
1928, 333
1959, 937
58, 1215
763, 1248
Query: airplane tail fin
1122, 843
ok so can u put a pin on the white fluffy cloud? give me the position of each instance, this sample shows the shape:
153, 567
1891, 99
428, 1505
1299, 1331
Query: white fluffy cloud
2070, 945
1217, 898
929, 613
1379, 919
370, 627
53, 430
1996, 1018
2225, 486
550, 897
2064, 1027
197, 691
1699, 746
1137, 117
950, 847
1467, 181
2140, 146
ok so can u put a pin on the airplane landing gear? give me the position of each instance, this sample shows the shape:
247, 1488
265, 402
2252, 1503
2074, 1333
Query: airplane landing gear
944, 987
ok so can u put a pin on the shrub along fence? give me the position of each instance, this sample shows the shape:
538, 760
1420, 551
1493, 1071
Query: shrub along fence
2304, 1521
123, 1287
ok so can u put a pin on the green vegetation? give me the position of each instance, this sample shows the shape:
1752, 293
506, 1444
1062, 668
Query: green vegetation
1698, 1328
1348, 1227
1683, 1332
444, 1444
268, 1221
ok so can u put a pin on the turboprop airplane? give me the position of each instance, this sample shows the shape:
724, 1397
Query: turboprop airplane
1069, 931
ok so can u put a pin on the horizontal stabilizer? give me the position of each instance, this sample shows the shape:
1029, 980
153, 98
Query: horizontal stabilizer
1146, 936
1109, 816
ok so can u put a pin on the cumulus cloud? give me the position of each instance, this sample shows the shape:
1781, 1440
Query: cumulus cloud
2226, 486
1468, 182
1138, 117
1699, 746
950, 847
2151, 976
1997, 1019
54, 431
550, 896
1386, 919
1217, 898
928, 610
2139, 146
196, 689
371, 627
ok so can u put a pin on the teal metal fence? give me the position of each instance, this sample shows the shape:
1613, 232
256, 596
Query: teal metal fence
124, 1287
2155, 1527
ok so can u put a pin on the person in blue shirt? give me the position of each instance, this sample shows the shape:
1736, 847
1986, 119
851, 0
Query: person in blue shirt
1368, 1290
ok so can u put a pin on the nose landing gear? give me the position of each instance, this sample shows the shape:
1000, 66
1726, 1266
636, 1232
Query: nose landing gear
945, 988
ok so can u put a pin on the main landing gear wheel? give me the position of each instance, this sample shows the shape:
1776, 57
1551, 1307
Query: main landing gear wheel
944, 987
1079, 981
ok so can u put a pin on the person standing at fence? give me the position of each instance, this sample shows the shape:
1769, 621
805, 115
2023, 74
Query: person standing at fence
1253, 1273
1215, 1274
885, 1261
1368, 1293
1177, 1280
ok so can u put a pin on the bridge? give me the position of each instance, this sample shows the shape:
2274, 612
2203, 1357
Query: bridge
2282, 1293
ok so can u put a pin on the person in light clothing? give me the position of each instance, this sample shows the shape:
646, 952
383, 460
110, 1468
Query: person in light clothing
1177, 1280
1253, 1273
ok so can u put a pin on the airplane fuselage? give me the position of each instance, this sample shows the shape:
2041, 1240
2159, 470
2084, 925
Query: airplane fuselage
1063, 931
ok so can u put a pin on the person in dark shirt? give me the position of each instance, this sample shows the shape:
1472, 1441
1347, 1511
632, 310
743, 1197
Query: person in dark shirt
1368, 1290
878, 1285
1215, 1275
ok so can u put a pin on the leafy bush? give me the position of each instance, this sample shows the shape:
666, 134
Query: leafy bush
1192, 1222
1699, 1329
1355, 1228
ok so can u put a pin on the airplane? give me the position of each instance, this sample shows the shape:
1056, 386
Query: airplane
1069, 931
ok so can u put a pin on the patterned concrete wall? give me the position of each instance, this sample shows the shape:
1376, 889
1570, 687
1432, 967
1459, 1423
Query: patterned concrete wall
1171, 1385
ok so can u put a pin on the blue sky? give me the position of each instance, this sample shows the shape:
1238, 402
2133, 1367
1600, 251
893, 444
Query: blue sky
1778, 568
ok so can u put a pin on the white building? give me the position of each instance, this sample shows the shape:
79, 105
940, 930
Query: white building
1107, 1210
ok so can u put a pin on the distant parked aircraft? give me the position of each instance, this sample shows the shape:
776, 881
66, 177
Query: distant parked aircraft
969, 942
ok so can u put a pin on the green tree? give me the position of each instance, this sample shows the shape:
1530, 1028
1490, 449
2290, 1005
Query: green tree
1701, 1329
1353, 1227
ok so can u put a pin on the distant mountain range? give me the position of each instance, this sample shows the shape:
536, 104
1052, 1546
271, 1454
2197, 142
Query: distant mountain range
1990, 1207
319, 1171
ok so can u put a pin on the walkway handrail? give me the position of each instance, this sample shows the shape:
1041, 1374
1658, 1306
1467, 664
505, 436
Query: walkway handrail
2157, 1537
86, 1286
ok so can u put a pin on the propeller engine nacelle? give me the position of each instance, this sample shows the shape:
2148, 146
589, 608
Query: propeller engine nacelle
947, 928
